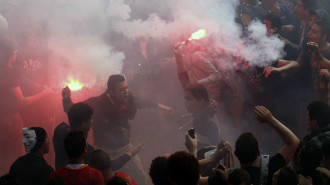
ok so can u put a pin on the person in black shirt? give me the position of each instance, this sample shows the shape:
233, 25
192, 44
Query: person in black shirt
111, 128
306, 161
247, 149
80, 118
32, 169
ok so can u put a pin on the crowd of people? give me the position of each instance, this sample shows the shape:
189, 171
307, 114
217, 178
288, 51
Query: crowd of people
293, 92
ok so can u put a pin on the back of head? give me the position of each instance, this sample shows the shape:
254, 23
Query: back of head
275, 21
157, 171
198, 91
100, 160
320, 112
8, 180
79, 113
75, 144
115, 79
239, 177
310, 156
287, 176
40, 137
246, 148
117, 181
183, 168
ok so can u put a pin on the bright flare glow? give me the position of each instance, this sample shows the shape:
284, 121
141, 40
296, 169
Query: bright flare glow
73, 84
198, 34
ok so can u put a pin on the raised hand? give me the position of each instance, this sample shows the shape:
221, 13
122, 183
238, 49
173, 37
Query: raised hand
66, 92
263, 114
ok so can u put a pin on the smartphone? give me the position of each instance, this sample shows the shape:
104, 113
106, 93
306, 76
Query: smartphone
191, 133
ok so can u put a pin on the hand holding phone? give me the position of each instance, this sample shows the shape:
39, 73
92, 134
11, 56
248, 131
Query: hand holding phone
191, 133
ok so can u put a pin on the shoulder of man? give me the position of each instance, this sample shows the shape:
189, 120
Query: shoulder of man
60, 131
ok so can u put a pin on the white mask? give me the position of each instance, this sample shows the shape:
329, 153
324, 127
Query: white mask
30, 139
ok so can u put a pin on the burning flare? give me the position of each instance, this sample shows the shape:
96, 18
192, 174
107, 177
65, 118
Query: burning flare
201, 33
73, 84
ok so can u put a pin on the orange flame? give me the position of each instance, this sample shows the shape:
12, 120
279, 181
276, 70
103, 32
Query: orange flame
73, 84
198, 34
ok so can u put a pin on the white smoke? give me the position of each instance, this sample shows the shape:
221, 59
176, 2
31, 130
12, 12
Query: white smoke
3, 24
260, 49
187, 16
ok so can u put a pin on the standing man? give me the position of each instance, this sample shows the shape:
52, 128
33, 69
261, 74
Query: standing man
311, 61
32, 168
112, 110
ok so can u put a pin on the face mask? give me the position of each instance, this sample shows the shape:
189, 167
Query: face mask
30, 139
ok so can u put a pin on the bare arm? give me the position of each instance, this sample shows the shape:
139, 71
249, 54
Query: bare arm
66, 99
179, 62
282, 63
317, 55
324, 62
24, 101
287, 66
203, 181
224, 150
290, 139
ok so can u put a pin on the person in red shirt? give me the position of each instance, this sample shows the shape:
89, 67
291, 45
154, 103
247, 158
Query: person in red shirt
76, 172
100, 160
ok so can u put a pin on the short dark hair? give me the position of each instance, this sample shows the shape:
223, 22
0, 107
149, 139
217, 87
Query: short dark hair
325, 27
275, 21
198, 91
157, 171
41, 137
239, 176
287, 176
8, 180
326, 148
79, 113
57, 180
100, 160
246, 148
75, 144
114, 79
117, 181
310, 156
320, 112
183, 168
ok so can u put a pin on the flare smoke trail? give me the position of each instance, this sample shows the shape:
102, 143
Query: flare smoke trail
216, 16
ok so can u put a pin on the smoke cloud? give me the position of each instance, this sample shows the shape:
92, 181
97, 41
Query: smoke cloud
91, 39
216, 16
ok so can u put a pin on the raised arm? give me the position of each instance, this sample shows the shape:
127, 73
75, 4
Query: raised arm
24, 101
182, 71
290, 139
66, 99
